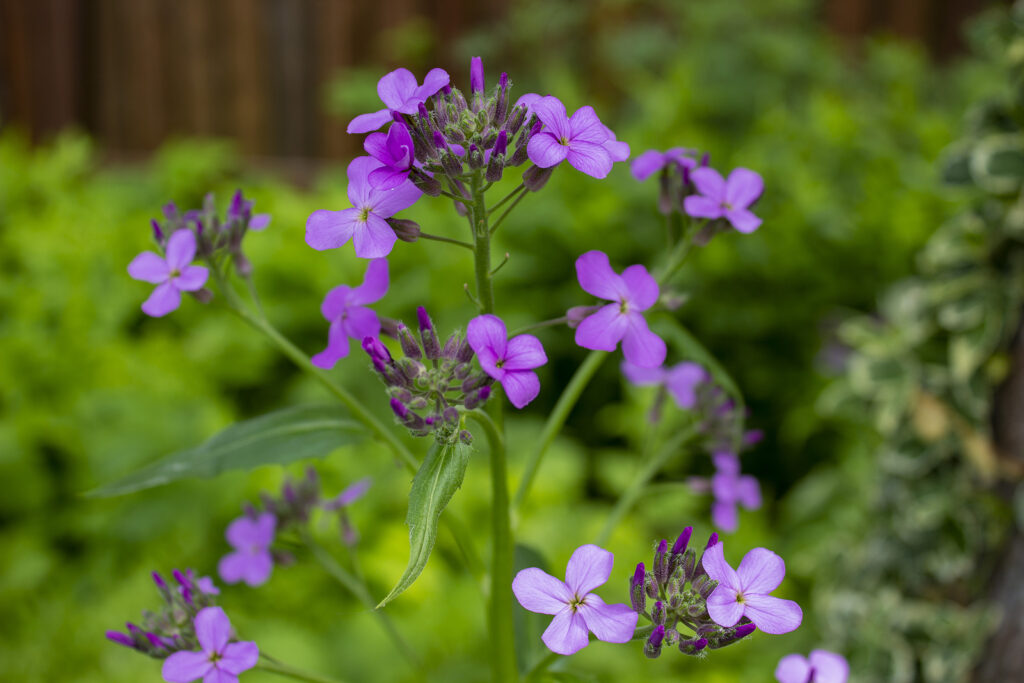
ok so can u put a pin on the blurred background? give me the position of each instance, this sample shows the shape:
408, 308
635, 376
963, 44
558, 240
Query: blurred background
871, 322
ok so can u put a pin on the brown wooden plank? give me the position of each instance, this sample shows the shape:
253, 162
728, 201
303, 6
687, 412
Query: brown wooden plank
196, 96
334, 52
15, 74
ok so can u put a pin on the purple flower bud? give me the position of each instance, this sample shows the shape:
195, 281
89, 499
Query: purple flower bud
186, 595
476, 75
474, 157
651, 585
439, 140
500, 144
652, 648
637, 594
409, 345
744, 630
515, 120
451, 415
405, 229
712, 539
679, 547
155, 641
377, 351
503, 81
170, 210
159, 581
752, 437
466, 437
400, 409
397, 117
431, 344
535, 177
426, 184
422, 109
658, 613
121, 639
661, 563
639, 574
485, 393
181, 579
134, 630
158, 234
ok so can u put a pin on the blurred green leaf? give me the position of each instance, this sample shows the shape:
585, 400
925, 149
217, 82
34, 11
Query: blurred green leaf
278, 438
437, 480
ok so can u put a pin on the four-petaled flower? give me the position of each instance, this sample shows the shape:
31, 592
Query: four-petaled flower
251, 538
744, 592
345, 308
681, 380
394, 150
580, 140
821, 667
653, 160
400, 92
510, 361
632, 293
364, 223
729, 199
730, 488
219, 661
171, 273
576, 609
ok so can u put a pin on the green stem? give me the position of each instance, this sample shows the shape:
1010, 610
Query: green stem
502, 635
541, 666
275, 667
449, 240
557, 419
536, 326
507, 197
678, 256
511, 206
653, 464
358, 588
482, 243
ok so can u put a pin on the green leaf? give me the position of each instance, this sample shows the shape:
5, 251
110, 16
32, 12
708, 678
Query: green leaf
278, 438
435, 483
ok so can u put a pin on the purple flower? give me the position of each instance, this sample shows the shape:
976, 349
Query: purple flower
652, 161
241, 210
476, 75
251, 538
632, 293
345, 308
510, 361
395, 151
207, 586
617, 150
349, 495
745, 592
821, 667
681, 380
364, 223
729, 199
400, 92
171, 273
579, 140
219, 661
576, 609
729, 489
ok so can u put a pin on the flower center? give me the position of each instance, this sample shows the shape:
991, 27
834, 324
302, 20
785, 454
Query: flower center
739, 598
364, 213
577, 602
174, 273
623, 306
563, 141
500, 362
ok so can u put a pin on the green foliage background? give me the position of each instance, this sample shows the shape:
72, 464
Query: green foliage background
91, 389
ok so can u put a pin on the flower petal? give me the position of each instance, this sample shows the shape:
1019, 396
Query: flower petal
384, 178
585, 126
743, 220
647, 163
718, 569
185, 667
361, 323
354, 491
567, 633
723, 514
374, 238
376, 145
181, 248
258, 568
551, 112
335, 302
365, 123
793, 669
331, 229
617, 149
723, 607
375, 283
231, 567
191, 278
643, 288
726, 463
596, 277
259, 221
358, 173
524, 352
761, 571
829, 667
709, 183
520, 386
538, 591
164, 299
216, 675
386, 203
586, 157
589, 567
748, 492
702, 207
487, 336
338, 346
642, 376
432, 82
528, 100
610, 623
603, 330
682, 381
771, 615
545, 150
239, 657
640, 346
149, 267
743, 187
213, 629
396, 87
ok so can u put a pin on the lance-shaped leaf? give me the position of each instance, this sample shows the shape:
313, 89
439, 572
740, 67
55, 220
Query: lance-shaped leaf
435, 483
277, 438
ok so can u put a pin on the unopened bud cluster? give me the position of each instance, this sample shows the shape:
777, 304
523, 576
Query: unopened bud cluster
429, 384
674, 593
720, 419
296, 502
171, 628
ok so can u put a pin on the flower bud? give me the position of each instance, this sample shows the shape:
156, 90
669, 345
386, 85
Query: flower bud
535, 177
497, 160
203, 295
451, 415
688, 564
637, 596
738, 633
658, 612
158, 235
466, 437
410, 347
666, 193
692, 647
475, 158
708, 588
679, 549
651, 585
661, 563
122, 639
501, 101
476, 75
451, 347
426, 184
451, 164
652, 648
159, 581
671, 637
431, 345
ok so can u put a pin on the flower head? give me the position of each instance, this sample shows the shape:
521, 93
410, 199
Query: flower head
681, 380
580, 140
400, 91
219, 661
365, 222
171, 273
729, 199
251, 538
345, 308
744, 592
821, 667
510, 361
395, 151
577, 610
632, 292
729, 489
653, 161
